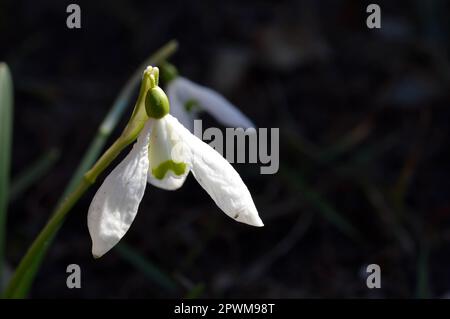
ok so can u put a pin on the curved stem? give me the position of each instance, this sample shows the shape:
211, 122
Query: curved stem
29, 264
44, 238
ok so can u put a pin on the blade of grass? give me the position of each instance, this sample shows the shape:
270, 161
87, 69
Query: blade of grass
196, 291
6, 123
346, 143
423, 289
150, 270
321, 204
33, 173
20, 287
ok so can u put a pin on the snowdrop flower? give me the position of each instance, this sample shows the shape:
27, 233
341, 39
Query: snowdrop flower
163, 155
187, 99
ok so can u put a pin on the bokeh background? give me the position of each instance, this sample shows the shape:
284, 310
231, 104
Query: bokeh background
364, 135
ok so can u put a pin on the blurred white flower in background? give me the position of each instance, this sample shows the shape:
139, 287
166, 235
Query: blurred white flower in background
188, 99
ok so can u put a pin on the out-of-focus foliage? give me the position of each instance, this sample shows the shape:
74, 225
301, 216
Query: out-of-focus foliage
6, 123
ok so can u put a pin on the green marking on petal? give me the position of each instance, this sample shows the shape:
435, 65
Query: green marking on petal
191, 105
164, 167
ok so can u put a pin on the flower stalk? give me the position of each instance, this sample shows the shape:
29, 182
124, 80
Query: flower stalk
25, 271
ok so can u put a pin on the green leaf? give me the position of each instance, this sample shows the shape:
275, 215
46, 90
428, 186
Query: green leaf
6, 123
150, 270
323, 206
423, 289
196, 291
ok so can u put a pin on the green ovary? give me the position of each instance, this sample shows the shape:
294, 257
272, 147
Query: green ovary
164, 167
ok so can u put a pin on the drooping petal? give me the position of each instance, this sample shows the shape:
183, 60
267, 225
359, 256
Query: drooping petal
177, 108
212, 102
218, 178
116, 202
169, 164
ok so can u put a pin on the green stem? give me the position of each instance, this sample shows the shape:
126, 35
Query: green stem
115, 113
28, 266
43, 240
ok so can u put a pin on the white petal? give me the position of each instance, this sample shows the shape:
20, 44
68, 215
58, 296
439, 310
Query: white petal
116, 202
218, 178
164, 147
212, 102
177, 108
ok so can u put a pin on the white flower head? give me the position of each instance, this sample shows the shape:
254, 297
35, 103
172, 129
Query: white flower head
184, 93
163, 155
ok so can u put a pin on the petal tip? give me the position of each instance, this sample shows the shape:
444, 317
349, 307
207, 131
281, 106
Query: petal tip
252, 220
99, 250
96, 253
257, 222
261, 224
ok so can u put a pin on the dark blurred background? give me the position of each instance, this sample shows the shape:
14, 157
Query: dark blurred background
363, 117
